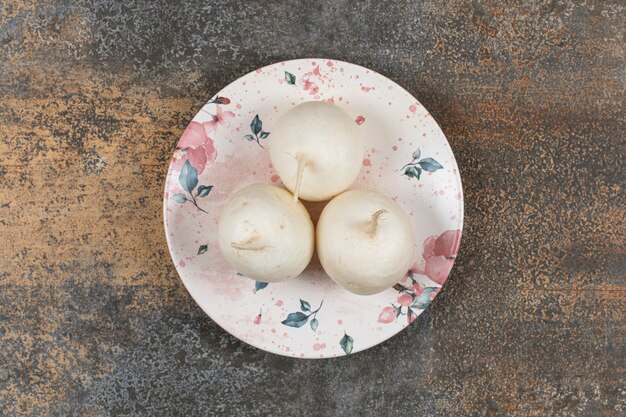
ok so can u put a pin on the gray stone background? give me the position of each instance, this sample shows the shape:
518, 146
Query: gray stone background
93, 318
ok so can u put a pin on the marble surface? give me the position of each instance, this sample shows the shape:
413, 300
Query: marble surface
93, 318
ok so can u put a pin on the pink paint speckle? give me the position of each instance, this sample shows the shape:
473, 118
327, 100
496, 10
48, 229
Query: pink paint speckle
316, 71
279, 303
329, 63
458, 196
340, 322
394, 147
259, 70
273, 330
412, 108
275, 178
367, 163
319, 346
359, 120
181, 263
366, 89
311, 87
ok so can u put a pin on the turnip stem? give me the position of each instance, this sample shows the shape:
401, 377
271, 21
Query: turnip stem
299, 175
372, 225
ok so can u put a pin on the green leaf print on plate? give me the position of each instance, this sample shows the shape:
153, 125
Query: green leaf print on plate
346, 343
300, 318
204, 190
414, 168
188, 179
259, 285
256, 126
290, 78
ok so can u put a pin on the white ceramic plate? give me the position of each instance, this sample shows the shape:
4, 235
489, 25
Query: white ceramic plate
223, 149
